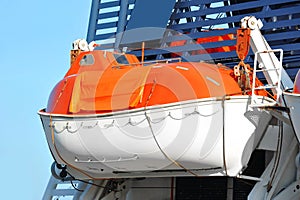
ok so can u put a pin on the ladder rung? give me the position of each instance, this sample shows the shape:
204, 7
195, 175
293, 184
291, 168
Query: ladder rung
265, 70
64, 192
265, 87
261, 105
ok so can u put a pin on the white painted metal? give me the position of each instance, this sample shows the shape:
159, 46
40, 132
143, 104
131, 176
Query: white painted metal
280, 180
269, 141
293, 102
58, 188
280, 174
292, 192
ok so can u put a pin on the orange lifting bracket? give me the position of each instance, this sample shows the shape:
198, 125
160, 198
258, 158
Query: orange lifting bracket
242, 70
243, 42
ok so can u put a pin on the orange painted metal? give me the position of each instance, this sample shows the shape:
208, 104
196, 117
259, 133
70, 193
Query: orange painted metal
243, 43
216, 39
210, 39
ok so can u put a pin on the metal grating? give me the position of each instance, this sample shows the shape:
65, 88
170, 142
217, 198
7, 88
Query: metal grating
204, 188
197, 22
217, 188
107, 19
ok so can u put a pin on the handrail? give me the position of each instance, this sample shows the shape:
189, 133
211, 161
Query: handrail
149, 62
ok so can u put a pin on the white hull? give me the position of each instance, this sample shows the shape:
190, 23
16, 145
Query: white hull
293, 102
208, 137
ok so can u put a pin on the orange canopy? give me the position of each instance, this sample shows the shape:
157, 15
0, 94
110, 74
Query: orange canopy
134, 87
101, 82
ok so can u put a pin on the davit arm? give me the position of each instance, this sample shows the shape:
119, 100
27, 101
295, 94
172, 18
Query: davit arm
280, 180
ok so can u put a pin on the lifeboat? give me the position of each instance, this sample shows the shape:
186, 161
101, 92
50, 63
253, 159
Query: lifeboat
292, 100
112, 116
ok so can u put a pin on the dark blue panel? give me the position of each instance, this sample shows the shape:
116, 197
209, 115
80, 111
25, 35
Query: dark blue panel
201, 34
263, 14
185, 4
223, 9
281, 19
196, 58
148, 13
131, 1
282, 36
288, 47
220, 55
109, 4
292, 72
112, 14
104, 36
106, 25
281, 24
142, 35
204, 57
108, 15
93, 21
192, 47
105, 46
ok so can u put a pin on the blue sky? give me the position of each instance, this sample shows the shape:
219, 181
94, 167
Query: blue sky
35, 40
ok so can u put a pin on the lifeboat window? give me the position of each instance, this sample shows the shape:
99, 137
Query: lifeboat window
121, 59
87, 60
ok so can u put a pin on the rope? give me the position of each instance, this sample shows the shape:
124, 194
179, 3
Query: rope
73, 131
87, 182
223, 130
57, 152
155, 139
163, 152
74, 186
130, 122
151, 93
53, 138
